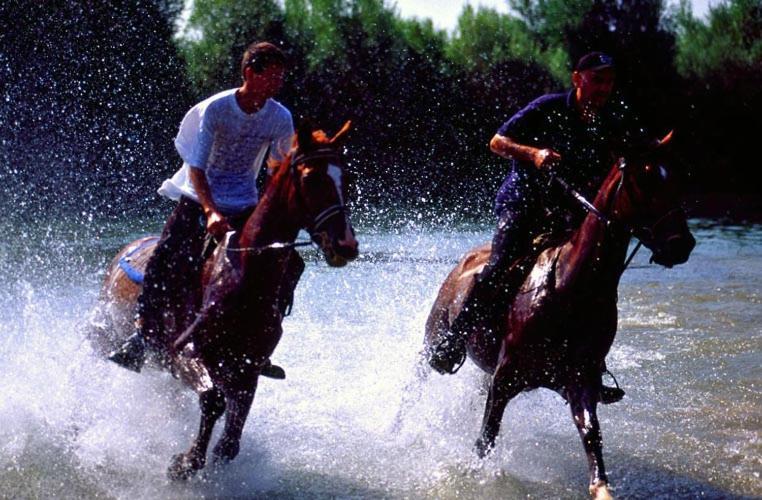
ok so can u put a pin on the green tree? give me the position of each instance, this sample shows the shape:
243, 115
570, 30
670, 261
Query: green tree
550, 20
721, 60
485, 37
730, 40
218, 32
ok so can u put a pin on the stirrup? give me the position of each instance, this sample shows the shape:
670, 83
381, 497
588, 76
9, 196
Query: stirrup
132, 354
611, 395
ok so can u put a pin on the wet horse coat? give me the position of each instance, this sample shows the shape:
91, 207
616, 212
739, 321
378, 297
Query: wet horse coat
244, 285
562, 322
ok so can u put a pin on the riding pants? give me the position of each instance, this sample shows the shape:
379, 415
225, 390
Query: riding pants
172, 272
518, 207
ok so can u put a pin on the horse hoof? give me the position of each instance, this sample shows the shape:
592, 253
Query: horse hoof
273, 371
610, 395
482, 448
222, 459
183, 467
224, 454
600, 491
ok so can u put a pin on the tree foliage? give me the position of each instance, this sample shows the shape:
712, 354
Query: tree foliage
95, 91
730, 40
721, 62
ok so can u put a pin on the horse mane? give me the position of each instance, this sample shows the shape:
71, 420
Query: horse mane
602, 201
318, 137
278, 171
607, 189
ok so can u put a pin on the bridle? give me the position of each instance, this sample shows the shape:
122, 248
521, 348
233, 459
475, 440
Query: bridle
321, 153
643, 233
313, 225
646, 234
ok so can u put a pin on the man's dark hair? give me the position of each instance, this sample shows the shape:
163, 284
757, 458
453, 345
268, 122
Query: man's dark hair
260, 55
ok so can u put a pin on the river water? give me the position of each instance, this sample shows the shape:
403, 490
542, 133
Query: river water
687, 352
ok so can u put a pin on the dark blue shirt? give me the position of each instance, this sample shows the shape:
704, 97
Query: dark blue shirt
587, 149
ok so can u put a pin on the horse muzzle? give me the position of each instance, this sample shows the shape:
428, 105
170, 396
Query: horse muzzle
338, 253
675, 250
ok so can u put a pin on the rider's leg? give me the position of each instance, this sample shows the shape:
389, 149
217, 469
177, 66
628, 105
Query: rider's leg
175, 257
487, 294
515, 204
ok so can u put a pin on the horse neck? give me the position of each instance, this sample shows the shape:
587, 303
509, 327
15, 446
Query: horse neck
274, 219
596, 255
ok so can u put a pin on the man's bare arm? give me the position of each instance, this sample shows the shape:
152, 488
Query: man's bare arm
216, 224
506, 147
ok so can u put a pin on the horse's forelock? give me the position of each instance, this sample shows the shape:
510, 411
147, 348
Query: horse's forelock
320, 137
304, 140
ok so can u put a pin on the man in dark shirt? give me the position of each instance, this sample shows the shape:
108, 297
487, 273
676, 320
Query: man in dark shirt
571, 134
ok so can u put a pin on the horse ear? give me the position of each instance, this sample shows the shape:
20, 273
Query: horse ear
341, 136
655, 145
665, 140
304, 133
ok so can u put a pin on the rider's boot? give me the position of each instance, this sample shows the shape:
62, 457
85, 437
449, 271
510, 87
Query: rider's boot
132, 354
447, 356
272, 371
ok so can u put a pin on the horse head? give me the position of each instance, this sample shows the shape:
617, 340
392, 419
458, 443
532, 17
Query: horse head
649, 204
319, 184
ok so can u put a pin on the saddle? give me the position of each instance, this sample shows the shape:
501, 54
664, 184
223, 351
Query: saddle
513, 276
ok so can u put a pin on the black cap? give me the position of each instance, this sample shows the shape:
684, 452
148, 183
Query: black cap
594, 61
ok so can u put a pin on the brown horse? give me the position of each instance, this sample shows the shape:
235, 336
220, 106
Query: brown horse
219, 351
562, 322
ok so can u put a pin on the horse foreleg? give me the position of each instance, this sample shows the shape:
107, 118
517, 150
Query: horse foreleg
238, 406
185, 465
583, 402
504, 387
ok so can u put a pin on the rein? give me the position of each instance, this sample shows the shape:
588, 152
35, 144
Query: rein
581, 199
278, 245
601, 216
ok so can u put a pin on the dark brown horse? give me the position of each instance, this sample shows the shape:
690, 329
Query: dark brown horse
562, 322
219, 350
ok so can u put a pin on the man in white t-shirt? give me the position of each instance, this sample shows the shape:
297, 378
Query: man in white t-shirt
223, 142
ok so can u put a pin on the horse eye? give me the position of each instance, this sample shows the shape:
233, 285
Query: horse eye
310, 178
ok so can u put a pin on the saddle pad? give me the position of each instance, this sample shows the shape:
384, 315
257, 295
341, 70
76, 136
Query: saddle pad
125, 261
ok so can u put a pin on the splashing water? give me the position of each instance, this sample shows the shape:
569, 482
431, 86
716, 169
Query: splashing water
687, 353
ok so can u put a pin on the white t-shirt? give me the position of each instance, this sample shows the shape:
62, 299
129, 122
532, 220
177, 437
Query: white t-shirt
218, 137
